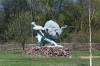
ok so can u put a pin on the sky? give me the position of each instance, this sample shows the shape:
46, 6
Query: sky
0, 5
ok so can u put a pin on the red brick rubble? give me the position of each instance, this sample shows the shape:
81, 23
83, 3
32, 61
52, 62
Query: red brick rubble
48, 51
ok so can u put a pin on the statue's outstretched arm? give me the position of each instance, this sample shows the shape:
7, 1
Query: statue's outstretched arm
65, 26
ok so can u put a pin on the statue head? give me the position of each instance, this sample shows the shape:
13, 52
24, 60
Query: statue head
33, 24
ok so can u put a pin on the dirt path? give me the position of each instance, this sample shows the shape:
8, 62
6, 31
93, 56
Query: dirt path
87, 57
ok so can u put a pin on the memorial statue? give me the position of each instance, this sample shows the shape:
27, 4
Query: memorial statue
48, 33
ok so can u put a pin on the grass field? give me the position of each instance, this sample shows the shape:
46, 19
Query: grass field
16, 58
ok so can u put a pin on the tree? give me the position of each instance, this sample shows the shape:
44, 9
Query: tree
73, 13
21, 27
3, 28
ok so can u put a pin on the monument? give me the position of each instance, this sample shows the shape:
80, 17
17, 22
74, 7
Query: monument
48, 33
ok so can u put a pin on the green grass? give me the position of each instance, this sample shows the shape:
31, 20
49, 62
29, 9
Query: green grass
16, 58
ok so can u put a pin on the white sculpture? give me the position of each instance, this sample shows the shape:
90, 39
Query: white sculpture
51, 32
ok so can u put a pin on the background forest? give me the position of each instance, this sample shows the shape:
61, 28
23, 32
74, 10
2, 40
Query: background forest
16, 17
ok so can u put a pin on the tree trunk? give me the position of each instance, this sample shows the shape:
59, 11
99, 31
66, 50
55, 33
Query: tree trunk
23, 46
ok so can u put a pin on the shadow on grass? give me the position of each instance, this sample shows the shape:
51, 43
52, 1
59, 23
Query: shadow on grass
82, 65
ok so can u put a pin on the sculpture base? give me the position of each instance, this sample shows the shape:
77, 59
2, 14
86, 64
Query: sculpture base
48, 51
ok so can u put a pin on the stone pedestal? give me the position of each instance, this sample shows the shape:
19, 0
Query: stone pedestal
48, 51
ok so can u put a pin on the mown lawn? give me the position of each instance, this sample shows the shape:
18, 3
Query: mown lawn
16, 58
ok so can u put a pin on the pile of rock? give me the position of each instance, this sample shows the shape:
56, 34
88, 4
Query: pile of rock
48, 51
